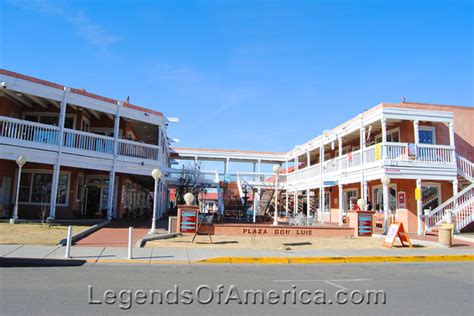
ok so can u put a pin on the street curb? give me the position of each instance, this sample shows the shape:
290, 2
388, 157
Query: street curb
325, 260
75, 238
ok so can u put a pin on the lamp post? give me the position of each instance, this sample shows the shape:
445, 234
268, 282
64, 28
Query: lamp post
385, 182
156, 174
188, 198
276, 169
20, 161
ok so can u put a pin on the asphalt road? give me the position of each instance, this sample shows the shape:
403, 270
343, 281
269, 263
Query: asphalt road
431, 289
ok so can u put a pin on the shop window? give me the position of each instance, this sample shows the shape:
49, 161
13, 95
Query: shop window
349, 199
430, 196
35, 188
377, 198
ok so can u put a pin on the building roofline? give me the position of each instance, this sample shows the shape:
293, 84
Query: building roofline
228, 150
77, 91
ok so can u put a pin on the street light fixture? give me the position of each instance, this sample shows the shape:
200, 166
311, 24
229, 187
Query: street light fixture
188, 198
156, 174
385, 182
362, 204
276, 169
20, 161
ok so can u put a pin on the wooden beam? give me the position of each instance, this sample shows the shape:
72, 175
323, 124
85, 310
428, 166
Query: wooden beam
55, 103
37, 100
94, 113
110, 116
17, 98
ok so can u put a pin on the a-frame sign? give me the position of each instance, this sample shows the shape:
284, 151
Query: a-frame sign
395, 230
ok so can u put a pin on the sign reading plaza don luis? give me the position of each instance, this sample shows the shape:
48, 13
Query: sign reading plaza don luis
277, 231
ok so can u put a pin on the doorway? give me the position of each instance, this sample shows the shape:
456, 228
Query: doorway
92, 200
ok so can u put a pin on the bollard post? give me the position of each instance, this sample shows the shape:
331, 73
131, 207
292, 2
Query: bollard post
130, 241
68, 242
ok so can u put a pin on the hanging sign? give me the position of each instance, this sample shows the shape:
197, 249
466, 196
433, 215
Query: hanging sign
394, 231
378, 152
417, 194
402, 200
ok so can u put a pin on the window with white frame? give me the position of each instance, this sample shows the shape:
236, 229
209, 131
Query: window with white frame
430, 195
427, 135
377, 197
349, 199
35, 187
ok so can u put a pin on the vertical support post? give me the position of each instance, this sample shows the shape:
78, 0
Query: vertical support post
226, 168
286, 202
321, 183
341, 204
308, 202
417, 136
295, 201
339, 143
110, 200
451, 141
130, 241
386, 206
56, 170
383, 122
67, 255
419, 210
308, 158
455, 192
362, 178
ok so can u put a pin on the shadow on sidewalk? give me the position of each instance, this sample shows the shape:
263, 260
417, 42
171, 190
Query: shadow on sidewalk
27, 262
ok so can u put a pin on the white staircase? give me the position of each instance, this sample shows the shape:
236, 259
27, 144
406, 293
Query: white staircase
461, 205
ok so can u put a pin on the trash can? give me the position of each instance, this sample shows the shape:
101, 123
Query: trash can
445, 238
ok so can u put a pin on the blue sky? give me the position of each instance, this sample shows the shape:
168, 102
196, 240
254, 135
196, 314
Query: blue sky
262, 75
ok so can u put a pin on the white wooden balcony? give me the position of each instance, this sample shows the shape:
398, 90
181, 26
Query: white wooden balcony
391, 154
34, 135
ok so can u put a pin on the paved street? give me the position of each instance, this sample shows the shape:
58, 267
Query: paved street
421, 288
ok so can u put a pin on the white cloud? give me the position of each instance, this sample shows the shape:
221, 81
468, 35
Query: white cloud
92, 32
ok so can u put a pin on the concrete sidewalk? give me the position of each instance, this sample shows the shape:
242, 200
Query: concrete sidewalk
117, 255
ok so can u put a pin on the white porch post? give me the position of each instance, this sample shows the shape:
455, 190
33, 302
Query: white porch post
384, 138
57, 165
451, 141
308, 202
419, 210
386, 204
286, 202
110, 198
321, 184
339, 143
362, 178
155, 207
308, 158
455, 191
256, 203
341, 204
417, 137
295, 201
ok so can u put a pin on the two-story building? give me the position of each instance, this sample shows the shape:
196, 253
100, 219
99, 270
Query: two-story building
86, 155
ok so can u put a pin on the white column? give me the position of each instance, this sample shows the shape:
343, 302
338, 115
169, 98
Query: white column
455, 191
295, 201
451, 141
57, 165
417, 136
226, 168
308, 159
362, 178
341, 205
419, 210
308, 201
384, 138
297, 167
386, 207
366, 193
275, 219
286, 202
339, 142
110, 200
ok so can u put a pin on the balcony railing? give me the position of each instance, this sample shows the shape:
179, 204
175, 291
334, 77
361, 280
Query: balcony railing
21, 132
89, 142
392, 151
25, 131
